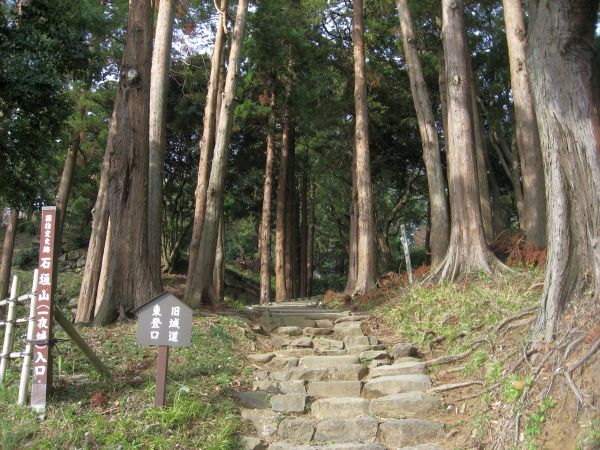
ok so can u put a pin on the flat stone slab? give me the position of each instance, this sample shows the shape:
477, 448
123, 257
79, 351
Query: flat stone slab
362, 429
313, 331
300, 373
422, 447
293, 387
407, 404
357, 318
294, 352
265, 385
280, 341
252, 443
358, 349
297, 430
303, 342
288, 446
404, 368
339, 408
350, 446
330, 352
322, 343
402, 350
335, 388
407, 432
288, 403
324, 323
282, 363
395, 384
370, 355
323, 362
261, 358
347, 372
289, 331
265, 422
255, 399
345, 329
354, 341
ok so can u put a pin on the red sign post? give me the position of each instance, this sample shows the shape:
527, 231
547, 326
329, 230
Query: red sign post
43, 335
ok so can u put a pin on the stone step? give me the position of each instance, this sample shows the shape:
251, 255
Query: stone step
407, 432
346, 446
339, 408
359, 341
422, 447
296, 430
346, 329
347, 372
406, 404
294, 353
320, 362
330, 352
320, 389
402, 368
282, 363
352, 318
255, 399
288, 403
314, 331
403, 350
261, 358
265, 421
252, 443
361, 429
300, 373
289, 331
323, 343
395, 384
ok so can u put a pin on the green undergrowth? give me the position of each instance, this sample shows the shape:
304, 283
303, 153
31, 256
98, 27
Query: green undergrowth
90, 412
454, 312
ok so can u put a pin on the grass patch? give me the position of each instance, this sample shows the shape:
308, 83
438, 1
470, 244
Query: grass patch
87, 411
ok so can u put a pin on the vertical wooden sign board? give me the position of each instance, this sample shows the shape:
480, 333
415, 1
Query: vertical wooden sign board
44, 318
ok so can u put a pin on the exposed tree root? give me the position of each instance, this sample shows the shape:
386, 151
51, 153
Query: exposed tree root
451, 358
523, 313
574, 367
450, 386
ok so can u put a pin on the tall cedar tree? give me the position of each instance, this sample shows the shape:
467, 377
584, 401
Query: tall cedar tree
366, 263
526, 130
560, 59
129, 282
467, 251
202, 280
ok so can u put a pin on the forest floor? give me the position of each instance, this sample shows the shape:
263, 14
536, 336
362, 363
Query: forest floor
478, 331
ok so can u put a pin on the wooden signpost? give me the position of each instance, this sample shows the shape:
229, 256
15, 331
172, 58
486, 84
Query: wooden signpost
164, 321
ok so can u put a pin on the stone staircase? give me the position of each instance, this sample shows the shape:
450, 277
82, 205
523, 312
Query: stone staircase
326, 385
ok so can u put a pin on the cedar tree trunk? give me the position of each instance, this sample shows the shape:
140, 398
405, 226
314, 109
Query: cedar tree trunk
7, 252
560, 58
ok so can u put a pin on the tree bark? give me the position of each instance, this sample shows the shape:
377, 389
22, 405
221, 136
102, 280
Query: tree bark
528, 140
352, 247
281, 287
202, 279
290, 218
211, 111
440, 217
98, 238
64, 188
130, 282
366, 253
159, 83
8, 246
310, 241
265, 224
219, 270
303, 232
561, 62
467, 251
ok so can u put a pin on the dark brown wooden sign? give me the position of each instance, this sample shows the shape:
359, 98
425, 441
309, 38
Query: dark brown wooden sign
44, 321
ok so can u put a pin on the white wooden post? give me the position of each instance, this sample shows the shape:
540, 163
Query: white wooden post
8, 330
28, 353
406, 253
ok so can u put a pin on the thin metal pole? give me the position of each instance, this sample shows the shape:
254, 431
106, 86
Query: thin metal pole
8, 332
162, 365
26, 368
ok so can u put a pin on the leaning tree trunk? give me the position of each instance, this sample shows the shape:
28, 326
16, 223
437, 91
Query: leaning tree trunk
7, 252
560, 58
467, 251
265, 224
88, 291
202, 279
211, 111
129, 281
281, 285
528, 140
64, 188
159, 83
366, 266
440, 217
219, 270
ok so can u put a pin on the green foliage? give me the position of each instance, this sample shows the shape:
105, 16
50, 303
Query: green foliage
536, 421
514, 387
25, 258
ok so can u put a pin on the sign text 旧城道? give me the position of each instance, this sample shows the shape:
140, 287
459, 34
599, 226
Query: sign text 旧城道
164, 320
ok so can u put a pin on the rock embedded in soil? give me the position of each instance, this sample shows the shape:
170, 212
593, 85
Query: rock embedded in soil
261, 358
346, 329
407, 404
403, 350
300, 373
323, 362
252, 443
395, 384
282, 363
358, 429
297, 430
339, 408
289, 331
303, 342
350, 446
405, 368
324, 323
280, 341
312, 331
321, 343
265, 422
334, 388
255, 399
288, 446
294, 352
405, 432
347, 372
370, 355
356, 341
265, 385
293, 387
288, 403
351, 318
